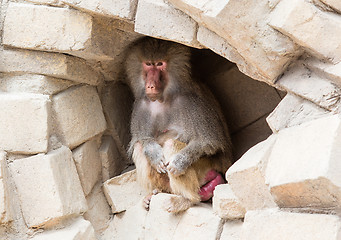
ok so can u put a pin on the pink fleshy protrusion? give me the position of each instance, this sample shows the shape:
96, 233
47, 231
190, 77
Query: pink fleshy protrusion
206, 191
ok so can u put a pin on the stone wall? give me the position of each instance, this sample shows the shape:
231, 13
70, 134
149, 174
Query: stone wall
65, 117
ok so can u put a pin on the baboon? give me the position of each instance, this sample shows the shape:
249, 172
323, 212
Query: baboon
180, 142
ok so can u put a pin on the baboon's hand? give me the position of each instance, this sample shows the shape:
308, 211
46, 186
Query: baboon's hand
153, 152
178, 164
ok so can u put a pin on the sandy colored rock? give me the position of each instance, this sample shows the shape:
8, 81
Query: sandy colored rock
302, 170
32, 83
25, 122
88, 164
232, 230
50, 64
79, 115
226, 204
309, 27
274, 224
123, 191
246, 177
48, 187
161, 20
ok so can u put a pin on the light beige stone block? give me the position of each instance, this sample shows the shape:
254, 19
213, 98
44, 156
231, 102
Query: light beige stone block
129, 224
226, 204
303, 167
292, 111
325, 70
79, 115
246, 177
232, 230
99, 212
47, 2
48, 187
80, 229
335, 4
161, 20
88, 164
50, 64
198, 223
123, 191
112, 161
25, 122
2, 202
109, 8
57, 30
274, 224
297, 79
261, 47
31, 83
309, 27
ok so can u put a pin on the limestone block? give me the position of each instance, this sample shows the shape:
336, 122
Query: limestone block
51, 64
273, 224
264, 50
248, 100
57, 30
112, 161
303, 167
128, 224
79, 115
335, 4
326, 70
249, 136
232, 230
8, 206
117, 102
48, 187
47, 2
297, 79
80, 229
292, 111
25, 123
158, 19
2, 203
226, 204
159, 220
220, 46
111, 8
99, 212
246, 177
88, 164
198, 222
123, 191
32, 83
309, 27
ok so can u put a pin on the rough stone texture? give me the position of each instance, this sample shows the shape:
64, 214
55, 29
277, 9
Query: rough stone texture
112, 161
25, 122
246, 177
297, 79
242, 99
48, 187
159, 19
226, 204
2, 203
128, 224
232, 230
123, 191
326, 70
32, 83
292, 111
51, 64
47, 2
30, 26
309, 27
273, 224
303, 167
79, 115
80, 229
88, 164
335, 4
99, 212
111, 8
260, 46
